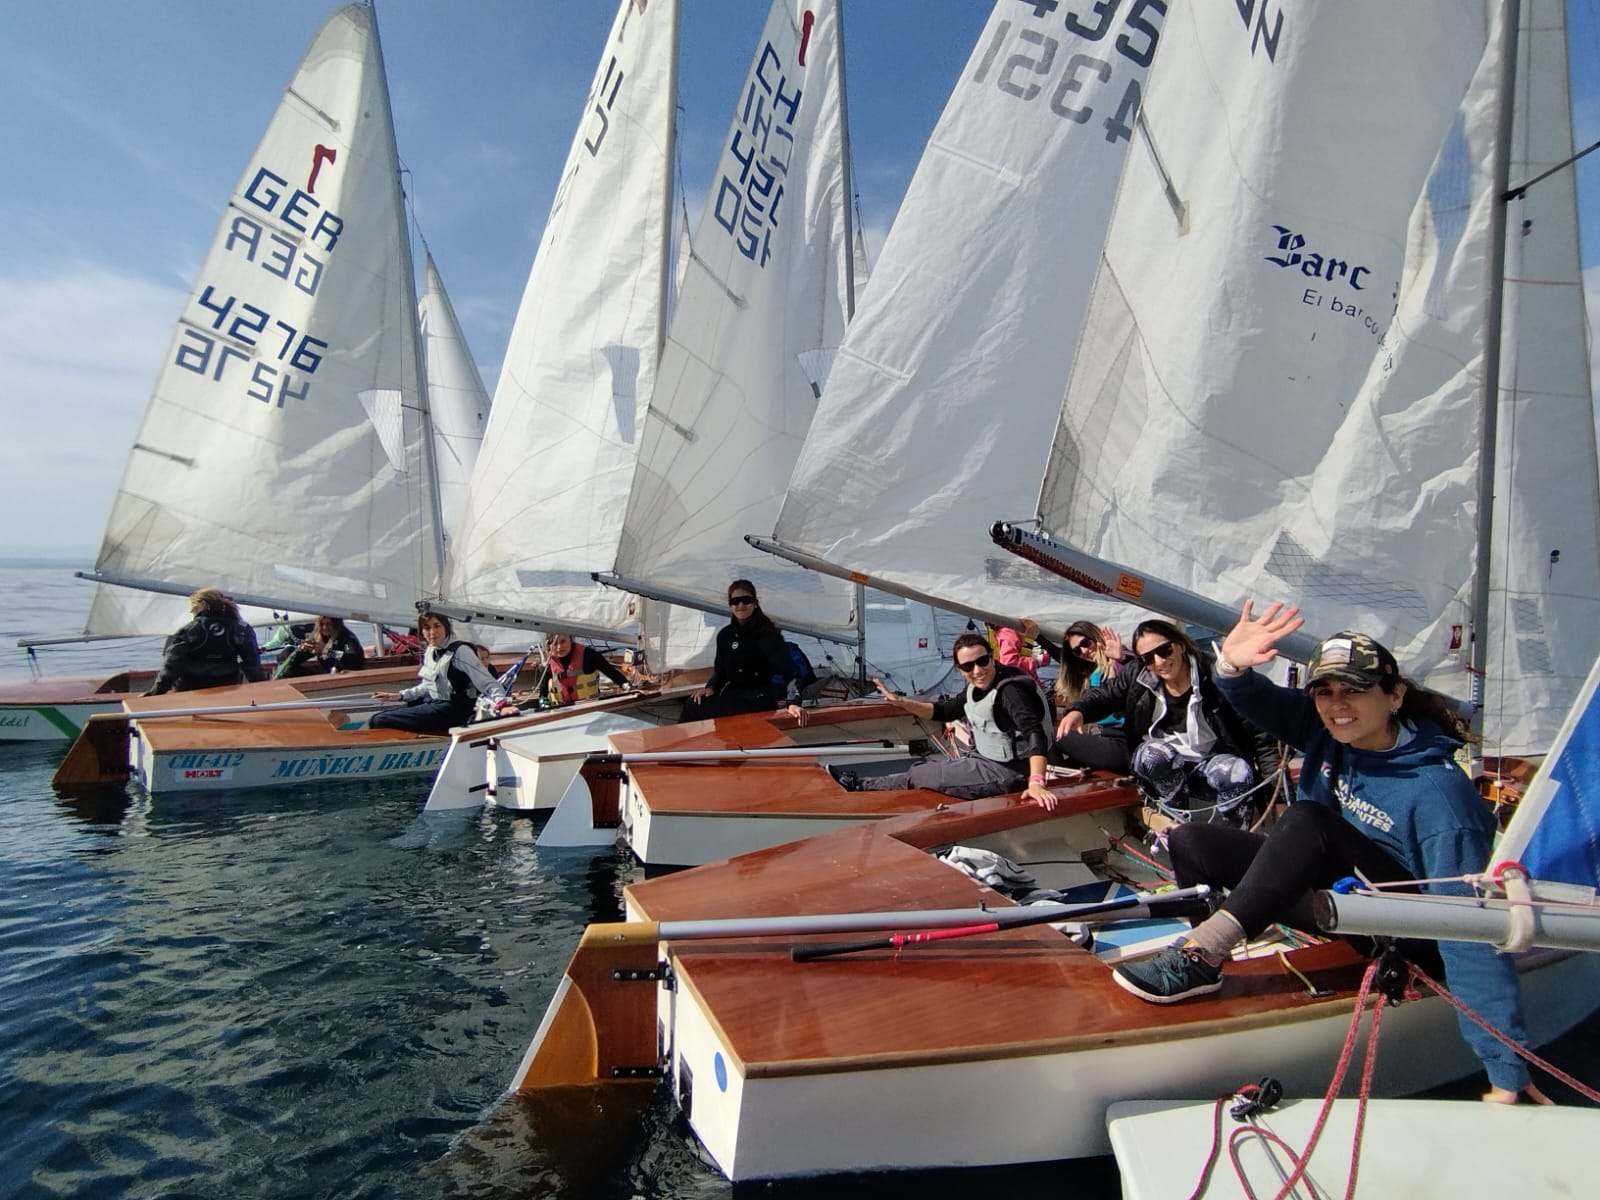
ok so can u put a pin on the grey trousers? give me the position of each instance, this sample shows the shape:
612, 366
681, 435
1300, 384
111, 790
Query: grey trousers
970, 777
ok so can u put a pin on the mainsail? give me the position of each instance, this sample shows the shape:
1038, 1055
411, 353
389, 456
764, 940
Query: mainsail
551, 484
759, 316
456, 395
284, 455
1278, 387
940, 403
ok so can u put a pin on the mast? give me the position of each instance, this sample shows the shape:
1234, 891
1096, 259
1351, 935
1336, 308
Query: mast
860, 599
667, 263
1511, 16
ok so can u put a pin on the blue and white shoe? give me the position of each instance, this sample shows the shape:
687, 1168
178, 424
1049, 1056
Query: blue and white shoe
845, 778
1173, 974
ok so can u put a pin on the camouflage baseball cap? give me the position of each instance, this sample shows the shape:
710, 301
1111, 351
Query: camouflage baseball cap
1353, 658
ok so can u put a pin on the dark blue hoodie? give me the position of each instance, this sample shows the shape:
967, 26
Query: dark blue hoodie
1422, 810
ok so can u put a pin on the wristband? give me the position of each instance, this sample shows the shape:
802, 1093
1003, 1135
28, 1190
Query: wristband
1226, 668
1036, 779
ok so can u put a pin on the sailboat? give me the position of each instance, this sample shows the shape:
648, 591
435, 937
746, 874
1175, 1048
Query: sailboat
1010, 1047
760, 310
286, 453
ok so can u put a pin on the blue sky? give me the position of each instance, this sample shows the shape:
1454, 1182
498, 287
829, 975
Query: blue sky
124, 126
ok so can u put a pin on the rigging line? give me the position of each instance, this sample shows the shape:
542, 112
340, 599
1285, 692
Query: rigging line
1521, 190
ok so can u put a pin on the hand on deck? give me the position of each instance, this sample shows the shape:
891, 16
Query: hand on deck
700, 694
386, 697
795, 711
1251, 642
1039, 794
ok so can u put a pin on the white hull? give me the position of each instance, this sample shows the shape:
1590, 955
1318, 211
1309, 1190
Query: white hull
241, 767
1039, 1105
525, 769
49, 722
1421, 1149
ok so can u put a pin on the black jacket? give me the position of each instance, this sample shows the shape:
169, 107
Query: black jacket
750, 659
212, 650
1132, 693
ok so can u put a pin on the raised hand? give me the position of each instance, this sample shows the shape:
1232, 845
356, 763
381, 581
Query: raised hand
1251, 642
1113, 643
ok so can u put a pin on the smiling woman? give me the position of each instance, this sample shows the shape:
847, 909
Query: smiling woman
1380, 794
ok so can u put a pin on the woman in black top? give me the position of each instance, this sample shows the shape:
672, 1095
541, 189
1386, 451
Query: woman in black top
752, 671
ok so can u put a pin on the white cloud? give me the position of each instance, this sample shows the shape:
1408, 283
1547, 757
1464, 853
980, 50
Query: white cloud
79, 351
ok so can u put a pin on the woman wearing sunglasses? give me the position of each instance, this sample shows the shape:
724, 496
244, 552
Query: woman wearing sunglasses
1008, 716
752, 671
1193, 755
1380, 794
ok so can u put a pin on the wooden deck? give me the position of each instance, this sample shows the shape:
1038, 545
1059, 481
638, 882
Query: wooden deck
931, 1004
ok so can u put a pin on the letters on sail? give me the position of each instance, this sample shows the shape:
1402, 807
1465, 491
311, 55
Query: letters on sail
283, 453
1277, 389
761, 312
939, 407
551, 483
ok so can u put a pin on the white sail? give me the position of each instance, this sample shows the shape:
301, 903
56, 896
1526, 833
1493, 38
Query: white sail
760, 315
1544, 604
1277, 391
283, 456
939, 408
456, 396
551, 484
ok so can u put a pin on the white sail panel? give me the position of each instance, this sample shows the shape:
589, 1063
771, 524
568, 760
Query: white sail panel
457, 398
1275, 391
257, 468
1544, 607
551, 484
937, 415
762, 309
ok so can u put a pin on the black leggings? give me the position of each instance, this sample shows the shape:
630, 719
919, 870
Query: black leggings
731, 701
1097, 747
1272, 876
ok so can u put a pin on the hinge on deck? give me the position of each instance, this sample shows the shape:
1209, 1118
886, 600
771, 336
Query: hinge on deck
656, 1072
661, 973
610, 774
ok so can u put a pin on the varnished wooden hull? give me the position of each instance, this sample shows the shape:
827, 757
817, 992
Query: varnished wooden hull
1000, 1048
679, 816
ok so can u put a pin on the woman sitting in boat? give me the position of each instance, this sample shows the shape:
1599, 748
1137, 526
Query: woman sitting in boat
572, 672
330, 648
752, 671
454, 680
1091, 657
1380, 793
1004, 709
1194, 756
214, 649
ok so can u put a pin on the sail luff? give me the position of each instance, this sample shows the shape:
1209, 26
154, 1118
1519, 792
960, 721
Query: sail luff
1495, 264
458, 403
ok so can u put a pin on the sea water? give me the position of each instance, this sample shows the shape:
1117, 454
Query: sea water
313, 991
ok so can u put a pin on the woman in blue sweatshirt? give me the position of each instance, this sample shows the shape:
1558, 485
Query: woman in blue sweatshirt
1380, 793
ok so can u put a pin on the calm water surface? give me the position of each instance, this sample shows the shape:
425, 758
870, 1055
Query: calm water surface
313, 992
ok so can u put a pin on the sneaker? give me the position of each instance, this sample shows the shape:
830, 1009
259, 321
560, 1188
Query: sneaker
846, 778
1174, 974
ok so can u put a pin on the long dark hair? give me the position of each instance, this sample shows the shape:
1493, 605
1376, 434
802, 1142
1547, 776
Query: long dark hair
1167, 631
1425, 704
758, 620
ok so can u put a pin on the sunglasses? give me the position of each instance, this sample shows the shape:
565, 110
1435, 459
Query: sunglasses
973, 664
1163, 652
740, 601
1081, 647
